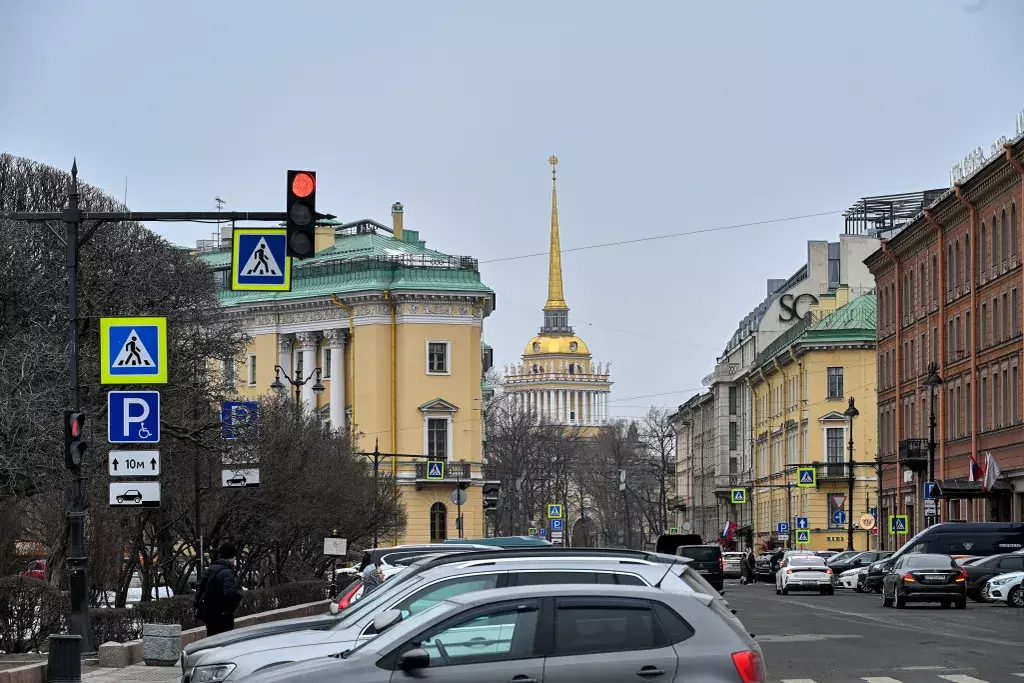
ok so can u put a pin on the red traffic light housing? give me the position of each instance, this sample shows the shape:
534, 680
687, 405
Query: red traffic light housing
301, 211
74, 441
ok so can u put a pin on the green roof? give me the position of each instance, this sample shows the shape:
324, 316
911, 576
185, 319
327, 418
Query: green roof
366, 260
853, 322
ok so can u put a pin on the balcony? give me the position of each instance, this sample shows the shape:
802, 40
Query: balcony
914, 454
724, 483
832, 470
454, 472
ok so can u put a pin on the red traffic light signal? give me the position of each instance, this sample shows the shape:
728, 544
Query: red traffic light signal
301, 212
74, 443
303, 184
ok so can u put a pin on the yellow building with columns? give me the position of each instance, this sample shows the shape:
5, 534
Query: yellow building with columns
801, 386
557, 379
395, 330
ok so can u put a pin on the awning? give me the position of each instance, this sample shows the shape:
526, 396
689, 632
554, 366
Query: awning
962, 488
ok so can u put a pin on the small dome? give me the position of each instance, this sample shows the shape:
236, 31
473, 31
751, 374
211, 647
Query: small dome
562, 344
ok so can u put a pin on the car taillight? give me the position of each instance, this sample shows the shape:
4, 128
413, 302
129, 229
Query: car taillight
748, 666
827, 570
789, 571
907, 578
963, 575
346, 599
721, 561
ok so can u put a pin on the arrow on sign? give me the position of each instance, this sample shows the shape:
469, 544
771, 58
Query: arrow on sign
152, 464
115, 464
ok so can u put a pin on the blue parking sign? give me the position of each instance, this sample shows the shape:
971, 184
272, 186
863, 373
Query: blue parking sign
133, 416
236, 415
782, 527
557, 524
542, 532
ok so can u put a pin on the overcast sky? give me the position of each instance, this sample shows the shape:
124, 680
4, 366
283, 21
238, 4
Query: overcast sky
667, 117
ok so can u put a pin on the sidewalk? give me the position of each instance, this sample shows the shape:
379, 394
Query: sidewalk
131, 674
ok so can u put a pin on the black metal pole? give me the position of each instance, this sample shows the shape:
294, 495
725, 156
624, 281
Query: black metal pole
931, 452
458, 501
789, 513
78, 562
849, 495
376, 489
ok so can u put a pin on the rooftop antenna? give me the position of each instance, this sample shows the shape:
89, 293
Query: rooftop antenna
220, 207
126, 193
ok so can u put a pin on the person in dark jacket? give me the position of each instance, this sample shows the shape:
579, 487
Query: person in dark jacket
220, 594
373, 576
750, 566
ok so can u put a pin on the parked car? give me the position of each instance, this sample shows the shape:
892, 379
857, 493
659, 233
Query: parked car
857, 561
554, 633
393, 554
981, 571
733, 564
925, 577
36, 569
763, 567
1006, 588
707, 560
803, 572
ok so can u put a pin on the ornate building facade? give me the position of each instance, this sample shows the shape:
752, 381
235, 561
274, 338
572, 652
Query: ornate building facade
394, 329
557, 379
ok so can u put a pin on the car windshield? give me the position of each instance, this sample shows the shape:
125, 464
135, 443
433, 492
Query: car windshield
374, 602
928, 561
700, 553
806, 561
401, 630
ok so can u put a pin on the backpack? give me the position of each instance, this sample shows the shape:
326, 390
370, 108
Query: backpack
201, 612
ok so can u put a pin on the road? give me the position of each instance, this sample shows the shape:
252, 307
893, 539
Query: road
850, 638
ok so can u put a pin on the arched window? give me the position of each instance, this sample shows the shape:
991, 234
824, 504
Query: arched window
920, 284
949, 268
956, 264
935, 278
910, 291
1005, 239
1013, 228
438, 523
967, 260
995, 242
982, 264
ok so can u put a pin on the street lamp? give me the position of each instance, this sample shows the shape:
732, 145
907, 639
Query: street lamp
932, 381
278, 386
850, 413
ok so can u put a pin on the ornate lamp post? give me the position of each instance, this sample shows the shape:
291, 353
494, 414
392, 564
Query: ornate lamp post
278, 386
933, 382
850, 413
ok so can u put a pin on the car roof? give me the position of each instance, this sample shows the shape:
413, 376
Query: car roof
496, 554
560, 563
569, 590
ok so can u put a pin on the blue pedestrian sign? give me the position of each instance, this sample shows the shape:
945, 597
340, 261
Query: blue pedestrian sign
805, 476
133, 416
839, 517
782, 528
435, 469
803, 536
542, 532
133, 350
554, 511
801, 523
260, 261
931, 491
557, 524
532, 531
236, 415
739, 496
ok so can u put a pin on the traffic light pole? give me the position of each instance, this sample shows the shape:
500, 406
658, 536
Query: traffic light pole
73, 217
376, 458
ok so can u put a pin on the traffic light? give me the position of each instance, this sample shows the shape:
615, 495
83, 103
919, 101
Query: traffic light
301, 209
74, 439
490, 494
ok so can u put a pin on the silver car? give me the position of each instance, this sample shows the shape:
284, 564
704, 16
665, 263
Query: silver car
415, 593
554, 634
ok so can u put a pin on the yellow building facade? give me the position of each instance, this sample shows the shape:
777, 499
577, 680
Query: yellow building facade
394, 329
801, 385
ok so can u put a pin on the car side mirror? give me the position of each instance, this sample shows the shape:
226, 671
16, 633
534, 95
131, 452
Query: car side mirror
412, 660
386, 619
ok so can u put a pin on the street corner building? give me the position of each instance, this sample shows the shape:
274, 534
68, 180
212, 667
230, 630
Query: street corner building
557, 379
802, 384
949, 294
395, 330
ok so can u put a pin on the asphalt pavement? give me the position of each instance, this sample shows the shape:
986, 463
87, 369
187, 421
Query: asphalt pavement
850, 638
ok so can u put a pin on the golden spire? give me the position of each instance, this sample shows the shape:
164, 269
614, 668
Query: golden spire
556, 300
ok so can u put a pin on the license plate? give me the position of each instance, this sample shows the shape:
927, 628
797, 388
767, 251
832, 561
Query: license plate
704, 571
933, 577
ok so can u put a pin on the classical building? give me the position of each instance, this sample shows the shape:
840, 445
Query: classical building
727, 452
802, 383
950, 288
696, 507
394, 329
557, 379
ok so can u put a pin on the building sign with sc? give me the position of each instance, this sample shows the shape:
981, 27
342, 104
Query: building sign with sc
790, 305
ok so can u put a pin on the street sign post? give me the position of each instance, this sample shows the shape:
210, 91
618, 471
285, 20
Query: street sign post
739, 496
806, 477
803, 536
135, 494
532, 531
335, 547
133, 417
931, 507
239, 479
782, 528
674, 530
554, 510
259, 260
435, 469
557, 525
838, 500
236, 415
898, 524
867, 522
931, 491
133, 463
542, 532
133, 350
802, 523
839, 518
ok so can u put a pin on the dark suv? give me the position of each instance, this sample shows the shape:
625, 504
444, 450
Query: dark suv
707, 560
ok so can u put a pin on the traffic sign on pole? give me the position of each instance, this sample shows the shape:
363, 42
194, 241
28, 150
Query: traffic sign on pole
136, 494
806, 477
532, 531
133, 463
557, 525
802, 523
803, 536
133, 350
739, 496
898, 524
867, 522
542, 532
554, 511
782, 528
839, 517
838, 500
133, 416
931, 491
435, 469
260, 261
335, 547
236, 415
238, 479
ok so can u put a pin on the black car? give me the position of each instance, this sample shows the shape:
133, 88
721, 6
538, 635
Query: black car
763, 567
954, 538
980, 571
707, 560
925, 577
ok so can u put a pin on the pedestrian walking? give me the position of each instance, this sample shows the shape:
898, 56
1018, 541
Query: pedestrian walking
373, 576
749, 566
217, 596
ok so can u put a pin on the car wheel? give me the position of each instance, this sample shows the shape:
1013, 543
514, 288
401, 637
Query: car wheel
946, 604
830, 591
785, 591
1015, 597
960, 603
859, 588
900, 601
978, 592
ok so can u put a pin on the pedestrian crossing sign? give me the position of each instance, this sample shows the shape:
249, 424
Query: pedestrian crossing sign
739, 496
673, 530
532, 531
260, 261
554, 511
806, 477
898, 524
133, 350
435, 469
803, 536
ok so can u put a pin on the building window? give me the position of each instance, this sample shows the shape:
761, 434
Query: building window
1015, 316
1013, 229
835, 382
956, 264
967, 407
326, 362
949, 268
227, 373
252, 369
935, 280
833, 265
1006, 332
1014, 395
734, 396
1004, 404
437, 438
1005, 238
984, 326
299, 369
967, 332
968, 257
734, 436
438, 358
438, 523
995, 243
959, 338
983, 404
834, 452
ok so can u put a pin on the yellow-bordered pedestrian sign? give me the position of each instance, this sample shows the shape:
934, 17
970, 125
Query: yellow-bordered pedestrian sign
673, 530
803, 536
554, 511
133, 350
806, 477
260, 261
898, 524
435, 469
532, 531
739, 496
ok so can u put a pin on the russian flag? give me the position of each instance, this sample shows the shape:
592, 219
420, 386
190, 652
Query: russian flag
729, 528
976, 472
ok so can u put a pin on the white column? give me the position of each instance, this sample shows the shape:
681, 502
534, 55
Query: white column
604, 406
336, 347
284, 353
550, 412
307, 344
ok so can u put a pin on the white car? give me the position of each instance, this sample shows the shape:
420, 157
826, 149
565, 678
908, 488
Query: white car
851, 578
1006, 588
803, 572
